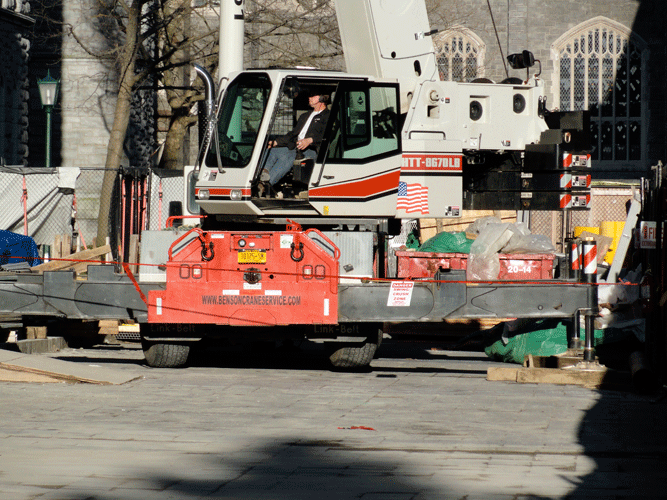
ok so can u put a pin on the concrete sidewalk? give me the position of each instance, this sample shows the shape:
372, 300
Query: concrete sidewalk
16, 366
423, 424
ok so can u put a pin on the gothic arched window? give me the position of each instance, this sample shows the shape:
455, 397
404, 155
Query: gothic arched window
460, 54
600, 65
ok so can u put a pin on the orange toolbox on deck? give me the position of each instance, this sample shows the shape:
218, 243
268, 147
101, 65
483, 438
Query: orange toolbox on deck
512, 266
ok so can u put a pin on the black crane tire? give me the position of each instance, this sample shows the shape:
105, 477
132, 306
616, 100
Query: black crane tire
356, 356
165, 354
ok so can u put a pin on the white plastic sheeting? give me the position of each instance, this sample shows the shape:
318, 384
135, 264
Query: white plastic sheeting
49, 201
50, 194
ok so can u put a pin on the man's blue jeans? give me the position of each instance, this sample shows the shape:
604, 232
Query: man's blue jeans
280, 162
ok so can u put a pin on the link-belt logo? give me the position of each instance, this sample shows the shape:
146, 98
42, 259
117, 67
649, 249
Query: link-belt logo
431, 162
251, 300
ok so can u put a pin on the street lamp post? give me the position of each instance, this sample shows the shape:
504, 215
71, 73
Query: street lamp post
48, 92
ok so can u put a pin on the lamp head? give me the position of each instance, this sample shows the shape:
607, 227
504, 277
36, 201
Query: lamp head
48, 90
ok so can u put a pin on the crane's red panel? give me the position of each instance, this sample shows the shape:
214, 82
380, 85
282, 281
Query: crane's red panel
249, 279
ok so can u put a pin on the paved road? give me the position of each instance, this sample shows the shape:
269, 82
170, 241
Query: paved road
423, 424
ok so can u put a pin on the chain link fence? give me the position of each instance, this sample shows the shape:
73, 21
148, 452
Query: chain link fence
144, 200
54, 206
59, 207
607, 204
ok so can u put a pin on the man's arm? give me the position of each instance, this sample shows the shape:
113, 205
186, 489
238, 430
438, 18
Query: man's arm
289, 139
316, 129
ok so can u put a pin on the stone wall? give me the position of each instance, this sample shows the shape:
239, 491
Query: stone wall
14, 83
88, 90
536, 24
88, 84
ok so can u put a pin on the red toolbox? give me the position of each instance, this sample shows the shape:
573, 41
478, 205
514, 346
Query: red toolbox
512, 266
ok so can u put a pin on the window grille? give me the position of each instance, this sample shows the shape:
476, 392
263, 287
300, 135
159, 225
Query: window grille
460, 55
601, 66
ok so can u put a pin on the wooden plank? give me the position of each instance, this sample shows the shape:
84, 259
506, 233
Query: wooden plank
562, 377
108, 326
572, 376
92, 254
67, 245
7, 374
35, 332
502, 373
482, 323
128, 328
133, 257
430, 227
57, 250
108, 257
427, 229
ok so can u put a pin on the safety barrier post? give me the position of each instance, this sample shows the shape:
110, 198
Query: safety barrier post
575, 260
589, 264
575, 274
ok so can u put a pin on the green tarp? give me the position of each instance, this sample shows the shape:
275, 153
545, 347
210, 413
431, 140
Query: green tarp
447, 243
546, 337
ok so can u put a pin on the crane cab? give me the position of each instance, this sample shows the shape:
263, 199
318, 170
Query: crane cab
357, 168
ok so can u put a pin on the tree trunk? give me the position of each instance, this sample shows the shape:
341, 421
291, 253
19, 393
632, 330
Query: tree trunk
173, 157
176, 79
128, 80
112, 164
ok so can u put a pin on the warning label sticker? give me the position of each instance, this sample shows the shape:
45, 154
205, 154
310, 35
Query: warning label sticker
400, 293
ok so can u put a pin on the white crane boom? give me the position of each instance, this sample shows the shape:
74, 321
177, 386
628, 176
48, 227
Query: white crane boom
387, 39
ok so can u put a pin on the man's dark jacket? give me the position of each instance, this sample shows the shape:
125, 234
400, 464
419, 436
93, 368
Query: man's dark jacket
315, 131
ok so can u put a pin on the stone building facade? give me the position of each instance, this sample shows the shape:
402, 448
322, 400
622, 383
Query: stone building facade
608, 56
604, 55
83, 115
15, 24
88, 89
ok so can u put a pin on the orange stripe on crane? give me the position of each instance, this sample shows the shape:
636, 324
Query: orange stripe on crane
361, 188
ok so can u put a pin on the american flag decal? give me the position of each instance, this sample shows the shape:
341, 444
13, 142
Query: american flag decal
412, 198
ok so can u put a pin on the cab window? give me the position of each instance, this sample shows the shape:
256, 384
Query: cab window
240, 116
364, 123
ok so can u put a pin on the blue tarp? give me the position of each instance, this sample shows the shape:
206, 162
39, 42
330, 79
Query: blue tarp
16, 248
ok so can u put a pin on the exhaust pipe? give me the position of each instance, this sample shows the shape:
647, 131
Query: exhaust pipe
206, 112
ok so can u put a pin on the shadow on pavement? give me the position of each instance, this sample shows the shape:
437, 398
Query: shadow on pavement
304, 470
625, 434
299, 356
429, 369
102, 360
311, 356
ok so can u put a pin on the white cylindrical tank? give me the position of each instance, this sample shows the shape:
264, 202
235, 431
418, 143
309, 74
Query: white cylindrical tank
231, 37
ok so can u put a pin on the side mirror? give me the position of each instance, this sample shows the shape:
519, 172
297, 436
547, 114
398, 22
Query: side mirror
525, 59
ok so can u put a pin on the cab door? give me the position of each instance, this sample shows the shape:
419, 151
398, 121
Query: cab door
359, 163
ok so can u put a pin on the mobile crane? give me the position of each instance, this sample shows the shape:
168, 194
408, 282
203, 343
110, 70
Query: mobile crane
307, 259
400, 143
